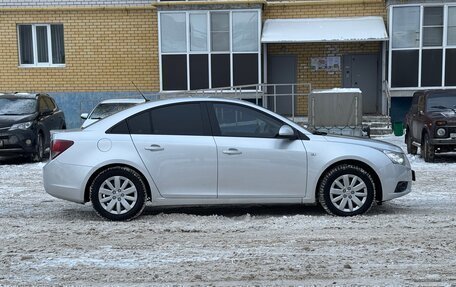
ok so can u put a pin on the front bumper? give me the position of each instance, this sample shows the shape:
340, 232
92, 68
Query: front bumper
17, 142
395, 175
445, 141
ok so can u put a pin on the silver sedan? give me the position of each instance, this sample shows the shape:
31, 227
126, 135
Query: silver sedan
216, 151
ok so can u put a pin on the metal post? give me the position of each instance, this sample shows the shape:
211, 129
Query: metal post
275, 97
293, 102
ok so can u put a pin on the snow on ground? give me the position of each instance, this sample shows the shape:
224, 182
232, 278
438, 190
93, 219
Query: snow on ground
407, 241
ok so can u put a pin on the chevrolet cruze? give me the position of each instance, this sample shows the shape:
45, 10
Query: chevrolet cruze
206, 151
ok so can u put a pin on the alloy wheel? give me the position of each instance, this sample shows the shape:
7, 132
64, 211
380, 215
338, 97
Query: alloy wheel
117, 195
348, 193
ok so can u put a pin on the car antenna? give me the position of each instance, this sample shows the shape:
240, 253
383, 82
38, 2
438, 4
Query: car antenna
145, 99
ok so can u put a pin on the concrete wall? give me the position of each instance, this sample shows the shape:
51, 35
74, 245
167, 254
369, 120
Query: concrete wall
75, 103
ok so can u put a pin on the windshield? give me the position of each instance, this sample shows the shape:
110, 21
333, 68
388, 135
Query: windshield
17, 106
439, 103
103, 110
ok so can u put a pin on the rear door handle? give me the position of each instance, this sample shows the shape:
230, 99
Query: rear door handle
232, 151
154, 147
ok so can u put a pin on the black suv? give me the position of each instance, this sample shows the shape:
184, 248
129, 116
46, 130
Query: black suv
25, 124
431, 123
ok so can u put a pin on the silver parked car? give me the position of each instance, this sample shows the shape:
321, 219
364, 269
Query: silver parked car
216, 151
108, 107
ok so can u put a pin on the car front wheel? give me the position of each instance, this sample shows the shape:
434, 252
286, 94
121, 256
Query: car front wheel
118, 193
411, 149
38, 155
347, 190
427, 149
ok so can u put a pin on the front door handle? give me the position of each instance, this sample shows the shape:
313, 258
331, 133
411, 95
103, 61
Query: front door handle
154, 147
232, 151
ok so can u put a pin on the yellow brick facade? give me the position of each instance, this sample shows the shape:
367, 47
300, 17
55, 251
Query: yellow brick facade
321, 10
105, 50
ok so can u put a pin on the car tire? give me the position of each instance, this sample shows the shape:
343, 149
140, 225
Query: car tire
411, 149
118, 193
427, 149
347, 190
38, 155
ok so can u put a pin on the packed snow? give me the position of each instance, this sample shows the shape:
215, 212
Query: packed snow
407, 241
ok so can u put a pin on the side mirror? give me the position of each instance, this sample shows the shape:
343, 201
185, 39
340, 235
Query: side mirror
287, 132
84, 116
46, 112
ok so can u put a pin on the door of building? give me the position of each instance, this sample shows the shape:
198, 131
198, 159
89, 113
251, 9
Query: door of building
281, 70
361, 71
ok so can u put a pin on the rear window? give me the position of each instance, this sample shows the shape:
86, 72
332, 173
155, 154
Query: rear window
104, 110
11, 106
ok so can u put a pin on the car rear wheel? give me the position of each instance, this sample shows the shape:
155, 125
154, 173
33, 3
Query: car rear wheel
411, 149
118, 193
427, 149
347, 190
38, 155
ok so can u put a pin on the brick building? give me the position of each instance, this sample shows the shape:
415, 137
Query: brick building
84, 51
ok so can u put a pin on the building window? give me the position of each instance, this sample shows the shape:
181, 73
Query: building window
41, 45
209, 49
422, 46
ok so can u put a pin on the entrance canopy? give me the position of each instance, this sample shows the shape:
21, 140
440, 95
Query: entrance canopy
354, 29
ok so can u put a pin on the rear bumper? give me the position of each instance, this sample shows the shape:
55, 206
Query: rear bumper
65, 181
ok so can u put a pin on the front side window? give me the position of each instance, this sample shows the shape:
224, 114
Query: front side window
238, 121
41, 45
209, 49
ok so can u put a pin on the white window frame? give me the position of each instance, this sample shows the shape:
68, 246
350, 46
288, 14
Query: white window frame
444, 46
36, 64
209, 52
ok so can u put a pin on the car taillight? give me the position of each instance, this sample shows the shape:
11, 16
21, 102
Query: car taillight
59, 146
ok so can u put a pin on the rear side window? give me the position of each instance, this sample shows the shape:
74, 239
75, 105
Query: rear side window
182, 119
178, 119
140, 123
120, 128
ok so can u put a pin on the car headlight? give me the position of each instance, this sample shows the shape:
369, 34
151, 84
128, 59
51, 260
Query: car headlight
21, 126
441, 132
395, 157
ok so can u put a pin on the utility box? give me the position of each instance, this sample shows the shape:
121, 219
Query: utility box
337, 111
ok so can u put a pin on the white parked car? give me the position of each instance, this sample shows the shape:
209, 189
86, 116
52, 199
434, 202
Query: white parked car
107, 108
216, 151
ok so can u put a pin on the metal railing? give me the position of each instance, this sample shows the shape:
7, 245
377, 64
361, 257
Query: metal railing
280, 98
387, 92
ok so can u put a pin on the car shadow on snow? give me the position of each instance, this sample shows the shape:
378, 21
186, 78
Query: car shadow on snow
238, 210
442, 157
17, 160
86, 213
